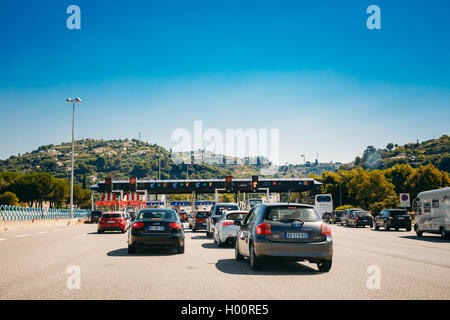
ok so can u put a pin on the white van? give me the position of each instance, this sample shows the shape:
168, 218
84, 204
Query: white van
432, 212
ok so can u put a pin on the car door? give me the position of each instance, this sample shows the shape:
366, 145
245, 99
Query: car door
244, 233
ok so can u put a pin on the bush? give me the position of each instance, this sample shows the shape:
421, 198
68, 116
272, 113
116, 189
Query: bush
9, 199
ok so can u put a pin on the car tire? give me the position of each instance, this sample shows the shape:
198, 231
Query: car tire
180, 250
219, 243
255, 263
131, 248
376, 227
324, 265
237, 255
386, 228
408, 228
418, 232
100, 231
444, 235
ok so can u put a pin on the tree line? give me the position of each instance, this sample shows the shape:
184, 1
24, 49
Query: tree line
374, 190
33, 189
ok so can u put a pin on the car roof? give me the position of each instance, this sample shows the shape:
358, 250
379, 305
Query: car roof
287, 204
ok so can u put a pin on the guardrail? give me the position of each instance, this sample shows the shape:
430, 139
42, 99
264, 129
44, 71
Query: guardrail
12, 213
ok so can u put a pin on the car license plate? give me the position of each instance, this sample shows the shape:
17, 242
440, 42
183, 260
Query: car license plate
111, 222
401, 218
155, 228
296, 235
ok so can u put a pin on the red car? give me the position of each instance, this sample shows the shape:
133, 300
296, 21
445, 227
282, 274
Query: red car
198, 220
113, 221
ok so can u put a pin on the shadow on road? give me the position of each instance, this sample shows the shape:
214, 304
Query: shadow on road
212, 245
200, 237
428, 238
107, 232
270, 268
123, 252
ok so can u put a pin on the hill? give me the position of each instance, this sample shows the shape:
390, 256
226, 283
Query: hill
435, 152
120, 159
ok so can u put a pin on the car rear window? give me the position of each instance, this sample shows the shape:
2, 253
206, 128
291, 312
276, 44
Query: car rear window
236, 216
157, 214
281, 213
394, 213
112, 215
363, 214
223, 209
202, 214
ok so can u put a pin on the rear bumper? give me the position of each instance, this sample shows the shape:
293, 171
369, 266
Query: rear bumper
111, 228
398, 224
200, 226
295, 251
157, 240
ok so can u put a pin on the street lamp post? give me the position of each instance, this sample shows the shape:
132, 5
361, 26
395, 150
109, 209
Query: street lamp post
76, 100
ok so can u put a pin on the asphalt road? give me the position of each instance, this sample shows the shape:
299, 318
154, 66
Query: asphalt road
33, 265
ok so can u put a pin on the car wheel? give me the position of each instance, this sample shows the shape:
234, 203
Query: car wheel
180, 250
324, 265
254, 259
219, 243
237, 255
418, 232
444, 235
386, 226
100, 231
376, 227
131, 248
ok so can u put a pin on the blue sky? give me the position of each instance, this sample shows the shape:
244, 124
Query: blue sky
309, 68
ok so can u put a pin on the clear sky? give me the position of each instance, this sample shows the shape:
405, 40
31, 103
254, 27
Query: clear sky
309, 68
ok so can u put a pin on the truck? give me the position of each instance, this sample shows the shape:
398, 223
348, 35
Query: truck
432, 212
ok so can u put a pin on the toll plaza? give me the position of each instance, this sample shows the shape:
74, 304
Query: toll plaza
144, 193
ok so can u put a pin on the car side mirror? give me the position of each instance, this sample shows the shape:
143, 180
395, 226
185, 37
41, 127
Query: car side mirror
237, 223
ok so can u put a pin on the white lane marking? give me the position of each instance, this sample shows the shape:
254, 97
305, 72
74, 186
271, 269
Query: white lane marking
42, 232
78, 237
2, 239
22, 235
56, 230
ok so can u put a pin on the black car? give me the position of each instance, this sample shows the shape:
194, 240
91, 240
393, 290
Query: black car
360, 219
95, 216
156, 228
393, 218
292, 232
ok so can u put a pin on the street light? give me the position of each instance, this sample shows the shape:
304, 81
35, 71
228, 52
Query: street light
76, 100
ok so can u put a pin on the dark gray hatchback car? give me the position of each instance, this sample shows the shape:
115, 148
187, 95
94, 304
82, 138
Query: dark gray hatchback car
284, 231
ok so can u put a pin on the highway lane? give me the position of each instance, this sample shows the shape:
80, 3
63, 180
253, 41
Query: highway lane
35, 267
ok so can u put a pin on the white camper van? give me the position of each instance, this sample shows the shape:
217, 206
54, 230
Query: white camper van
432, 210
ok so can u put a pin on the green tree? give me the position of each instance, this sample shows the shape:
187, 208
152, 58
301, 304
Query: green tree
426, 178
9, 199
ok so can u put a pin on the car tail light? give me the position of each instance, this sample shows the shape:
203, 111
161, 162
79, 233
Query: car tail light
263, 228
325, 230
227, 223
175, 225
356, 218
137, 225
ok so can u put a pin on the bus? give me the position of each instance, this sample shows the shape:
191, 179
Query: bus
323, 204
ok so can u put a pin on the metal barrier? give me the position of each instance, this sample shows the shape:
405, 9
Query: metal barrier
11, 213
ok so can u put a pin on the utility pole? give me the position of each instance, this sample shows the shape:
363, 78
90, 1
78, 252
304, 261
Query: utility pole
76, 100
